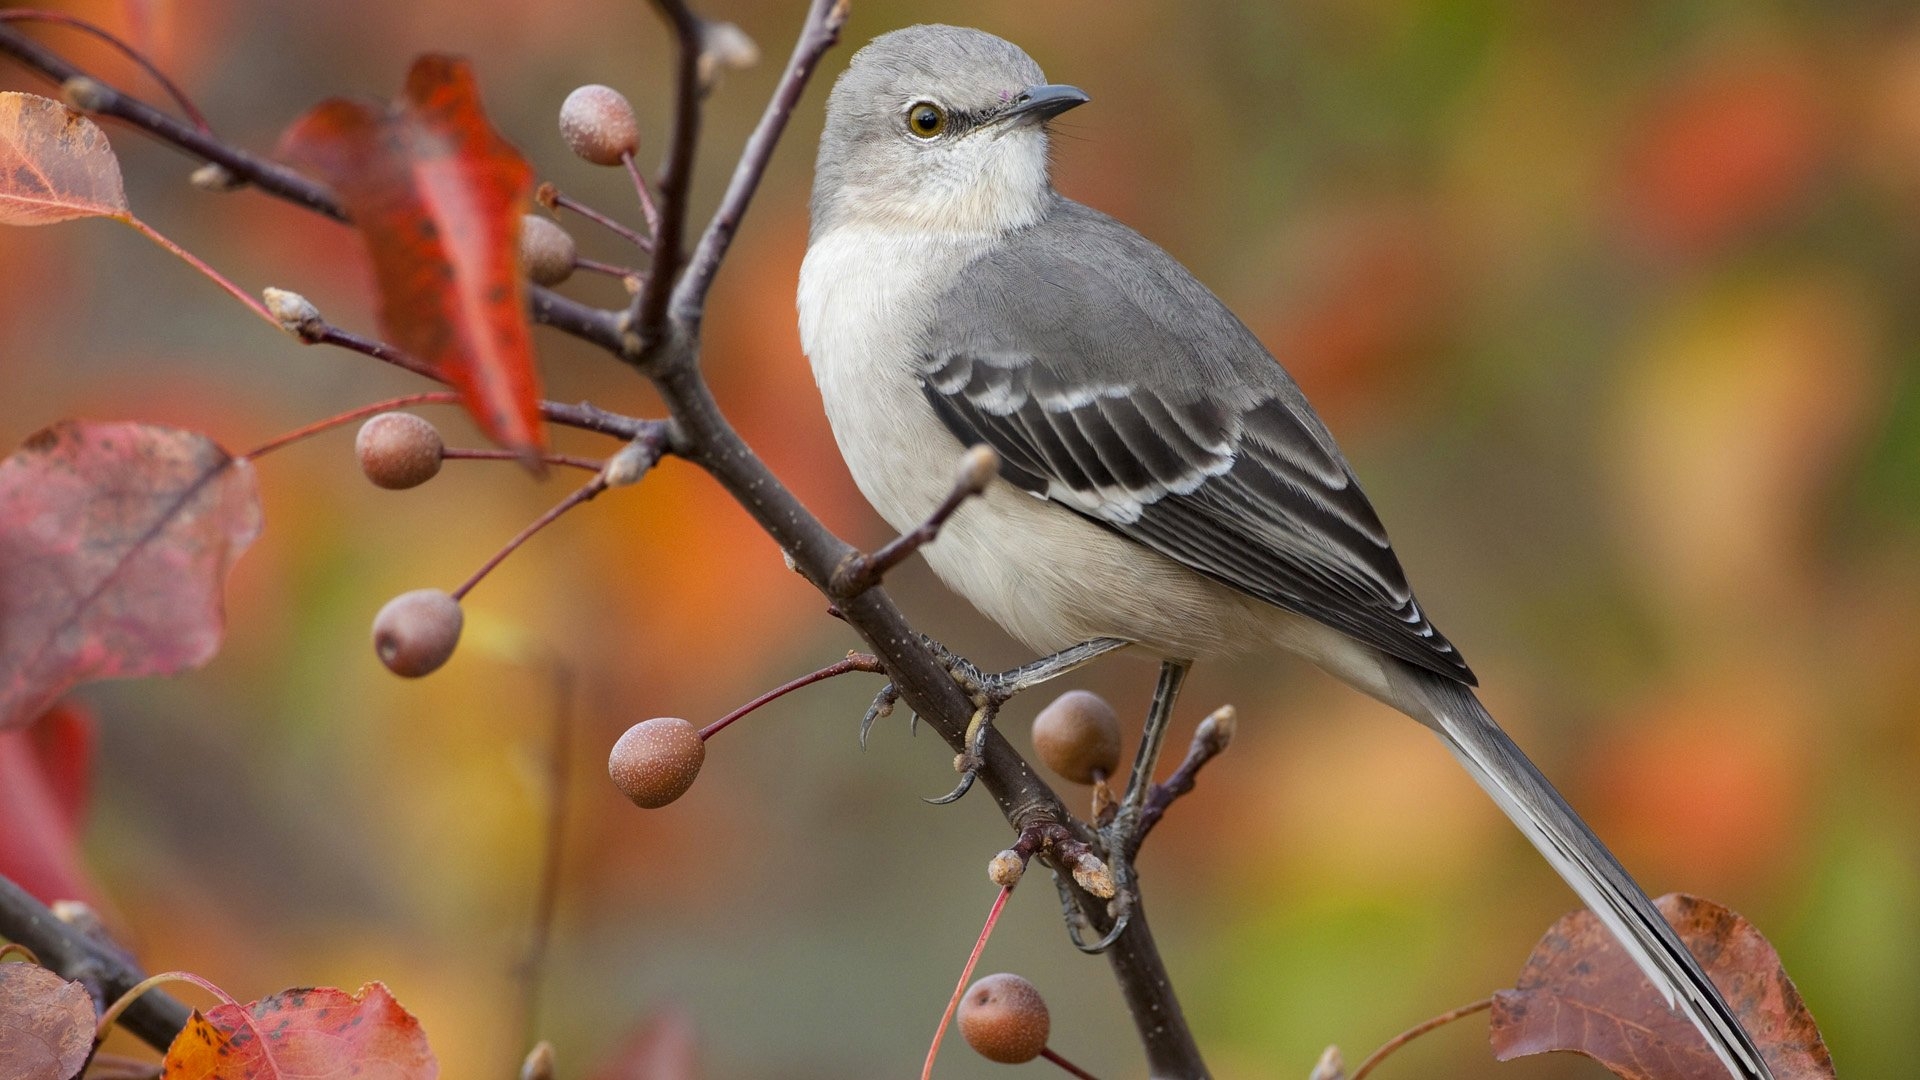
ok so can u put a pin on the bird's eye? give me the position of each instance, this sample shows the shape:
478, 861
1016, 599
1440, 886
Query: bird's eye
926, 119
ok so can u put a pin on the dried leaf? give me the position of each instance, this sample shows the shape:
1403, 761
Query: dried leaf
313, 1034
1580, 992
44, 777
439, 195
55, 164
115, 539
46, 1024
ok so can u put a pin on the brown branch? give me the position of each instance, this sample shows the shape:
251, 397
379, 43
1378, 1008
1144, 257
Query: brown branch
861, 572
646, 315
105, 971
1210, 739
825, 19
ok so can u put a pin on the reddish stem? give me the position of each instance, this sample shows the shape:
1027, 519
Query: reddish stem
853, 662
459, 453
435, 397
179, 96
598, 267
979, 946
592, 487
188, 257
602, 220
1067, 1065
647, 205
1415, 1032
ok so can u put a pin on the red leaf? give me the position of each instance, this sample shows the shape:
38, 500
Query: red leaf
115, 539
46, 1024
439, 195
1580, 992
55, 165
312, 1034
44, 774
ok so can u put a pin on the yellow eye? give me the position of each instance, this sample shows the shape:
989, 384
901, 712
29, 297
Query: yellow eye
926, 119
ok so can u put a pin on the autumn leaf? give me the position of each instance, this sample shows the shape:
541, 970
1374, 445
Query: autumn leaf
44, 776
115, 540
313, 1034
1580, 992
439, 195
55, 165
46, 1024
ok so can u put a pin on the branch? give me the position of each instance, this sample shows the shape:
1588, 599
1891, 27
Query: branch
978, 466
548, 307
1210, 739
156, 1017
647, 314
821, 32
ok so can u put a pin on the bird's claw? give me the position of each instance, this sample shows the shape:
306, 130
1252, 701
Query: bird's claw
883, 703
969, 767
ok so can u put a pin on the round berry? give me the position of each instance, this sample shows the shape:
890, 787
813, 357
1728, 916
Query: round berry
657, 760
1004, 1019
1078, 736
546, 250
599, 125
416, 632
399, 450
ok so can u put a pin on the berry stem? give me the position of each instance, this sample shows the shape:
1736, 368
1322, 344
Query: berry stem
960, 989
179, 97
212, 275
592, 487
133, 994
647, 205
458, 453
14, 948
1415, 1032
853, 662
609, 269
434, 397
566, 202
1069, 1066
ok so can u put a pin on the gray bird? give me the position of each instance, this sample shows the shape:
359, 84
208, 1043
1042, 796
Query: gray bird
1167, 486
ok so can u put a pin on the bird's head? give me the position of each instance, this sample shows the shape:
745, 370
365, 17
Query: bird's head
937, 128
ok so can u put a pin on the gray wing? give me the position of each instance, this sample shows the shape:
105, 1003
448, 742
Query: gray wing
1112, 382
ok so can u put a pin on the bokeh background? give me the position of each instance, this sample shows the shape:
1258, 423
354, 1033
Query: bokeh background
1613, 306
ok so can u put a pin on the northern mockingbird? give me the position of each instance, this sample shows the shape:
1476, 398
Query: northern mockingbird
1166, 484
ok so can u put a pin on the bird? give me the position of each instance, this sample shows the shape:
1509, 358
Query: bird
1164, 483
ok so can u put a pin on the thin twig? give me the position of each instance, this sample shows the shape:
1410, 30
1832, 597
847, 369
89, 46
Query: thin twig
648, 312
1415, 1032
586, 491
960, 988
461, 453
853, 662
153, 71
195, 261
648, 208
825, 18
861, 572
1070, 1067
556, 198
1210, 739
581, 262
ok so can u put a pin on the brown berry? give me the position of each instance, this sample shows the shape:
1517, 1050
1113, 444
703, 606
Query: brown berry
546, 250
599, 125
416, 632
1004, 1019
1078, 736
657, 760
399, 450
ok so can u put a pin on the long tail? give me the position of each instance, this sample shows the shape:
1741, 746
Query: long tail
1544, 816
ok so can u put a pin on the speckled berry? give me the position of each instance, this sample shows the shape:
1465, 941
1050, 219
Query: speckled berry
599, 125
417, 631
399, 450
657, 760
1004, 1019
546, 250
1078, 736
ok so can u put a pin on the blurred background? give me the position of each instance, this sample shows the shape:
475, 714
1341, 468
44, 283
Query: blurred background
1612, 306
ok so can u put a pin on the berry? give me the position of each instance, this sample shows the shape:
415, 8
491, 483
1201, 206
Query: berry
546, 250
656, 761
399, 450
416, 632
599, 125
1004, 1019
1078, 736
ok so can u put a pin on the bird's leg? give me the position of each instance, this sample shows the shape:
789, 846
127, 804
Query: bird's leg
988, 692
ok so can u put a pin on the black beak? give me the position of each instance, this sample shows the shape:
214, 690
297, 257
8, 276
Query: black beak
1037, 104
